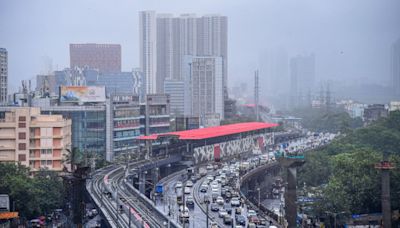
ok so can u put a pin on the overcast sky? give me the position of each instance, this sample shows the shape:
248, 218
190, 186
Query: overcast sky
350, 38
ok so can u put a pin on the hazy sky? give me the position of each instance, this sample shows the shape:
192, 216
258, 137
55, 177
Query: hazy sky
350, 38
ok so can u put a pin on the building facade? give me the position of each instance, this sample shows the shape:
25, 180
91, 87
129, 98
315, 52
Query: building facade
176, 90
204, 76
157, 113
104, 57
188, 35
374, 112
148, 51
126, 124
395, 67
3, 75
34, 140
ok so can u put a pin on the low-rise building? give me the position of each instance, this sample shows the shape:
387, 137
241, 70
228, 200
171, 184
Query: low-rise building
34, 140
374, 112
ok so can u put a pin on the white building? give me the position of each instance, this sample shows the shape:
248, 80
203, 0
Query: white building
147, 40
204, 77
394, 106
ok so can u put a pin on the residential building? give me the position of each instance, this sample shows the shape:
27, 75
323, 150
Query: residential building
157, 113
148, 51
34, 140
183, 123
103, 57
176, 91
204, 77
395, 67
173, 38
374, 112
3, 75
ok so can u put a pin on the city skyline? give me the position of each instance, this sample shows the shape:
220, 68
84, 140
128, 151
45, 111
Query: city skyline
258, 26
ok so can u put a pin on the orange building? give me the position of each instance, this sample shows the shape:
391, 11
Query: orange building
34, 140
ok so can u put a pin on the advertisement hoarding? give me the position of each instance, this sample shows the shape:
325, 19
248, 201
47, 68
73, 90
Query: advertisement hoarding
82, 94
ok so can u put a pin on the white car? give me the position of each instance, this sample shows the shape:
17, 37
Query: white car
187, 190
235, 202
222, 212
178, 184
220, 200
251, 213
189, 184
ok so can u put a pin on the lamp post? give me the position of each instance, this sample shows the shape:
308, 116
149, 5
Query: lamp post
258, 189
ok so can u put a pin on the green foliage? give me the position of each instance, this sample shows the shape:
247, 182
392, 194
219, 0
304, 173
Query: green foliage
345, 168
321, 120
32, 196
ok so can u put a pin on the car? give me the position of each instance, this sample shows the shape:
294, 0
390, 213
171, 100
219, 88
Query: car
183, 214
222, 212
220, 200
178, 184
251, 213
254, 219
235, 202
210, 167
240, 219
227, 219
228, 194
189, 201
204, 188
228, 208
214, 225
189, 184
251, 225
214, 207
187, 190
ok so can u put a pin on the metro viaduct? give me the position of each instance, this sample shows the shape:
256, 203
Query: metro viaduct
199, 146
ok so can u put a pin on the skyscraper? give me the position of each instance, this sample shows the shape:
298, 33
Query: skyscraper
180, 36
3, 75
148, 51
104, 57
302, 77
395, 67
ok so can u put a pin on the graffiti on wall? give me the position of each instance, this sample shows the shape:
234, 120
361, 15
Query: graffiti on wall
231, 148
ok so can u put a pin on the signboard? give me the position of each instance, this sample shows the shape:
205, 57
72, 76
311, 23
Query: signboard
82, 94
8, 215
4, 203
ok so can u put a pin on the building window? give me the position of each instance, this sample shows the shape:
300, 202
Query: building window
22, 135
22, 125
42, 163
49, 162
21, 146
21, 157
45, 151
22, 118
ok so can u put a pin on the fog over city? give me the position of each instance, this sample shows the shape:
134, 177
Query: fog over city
351, 40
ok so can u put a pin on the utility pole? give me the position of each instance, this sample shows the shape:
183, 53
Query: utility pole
256, 94
385, 166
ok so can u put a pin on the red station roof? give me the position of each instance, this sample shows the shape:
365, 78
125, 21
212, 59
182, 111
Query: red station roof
212, 132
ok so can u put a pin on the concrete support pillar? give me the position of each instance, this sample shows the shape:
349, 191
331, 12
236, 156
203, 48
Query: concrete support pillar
142, 182
290, 198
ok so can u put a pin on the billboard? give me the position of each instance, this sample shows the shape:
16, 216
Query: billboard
82, 94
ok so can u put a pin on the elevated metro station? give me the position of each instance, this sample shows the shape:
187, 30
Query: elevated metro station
218, 143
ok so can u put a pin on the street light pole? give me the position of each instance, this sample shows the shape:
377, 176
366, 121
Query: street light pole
258, 189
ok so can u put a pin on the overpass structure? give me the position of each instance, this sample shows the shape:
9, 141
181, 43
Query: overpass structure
121, 192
